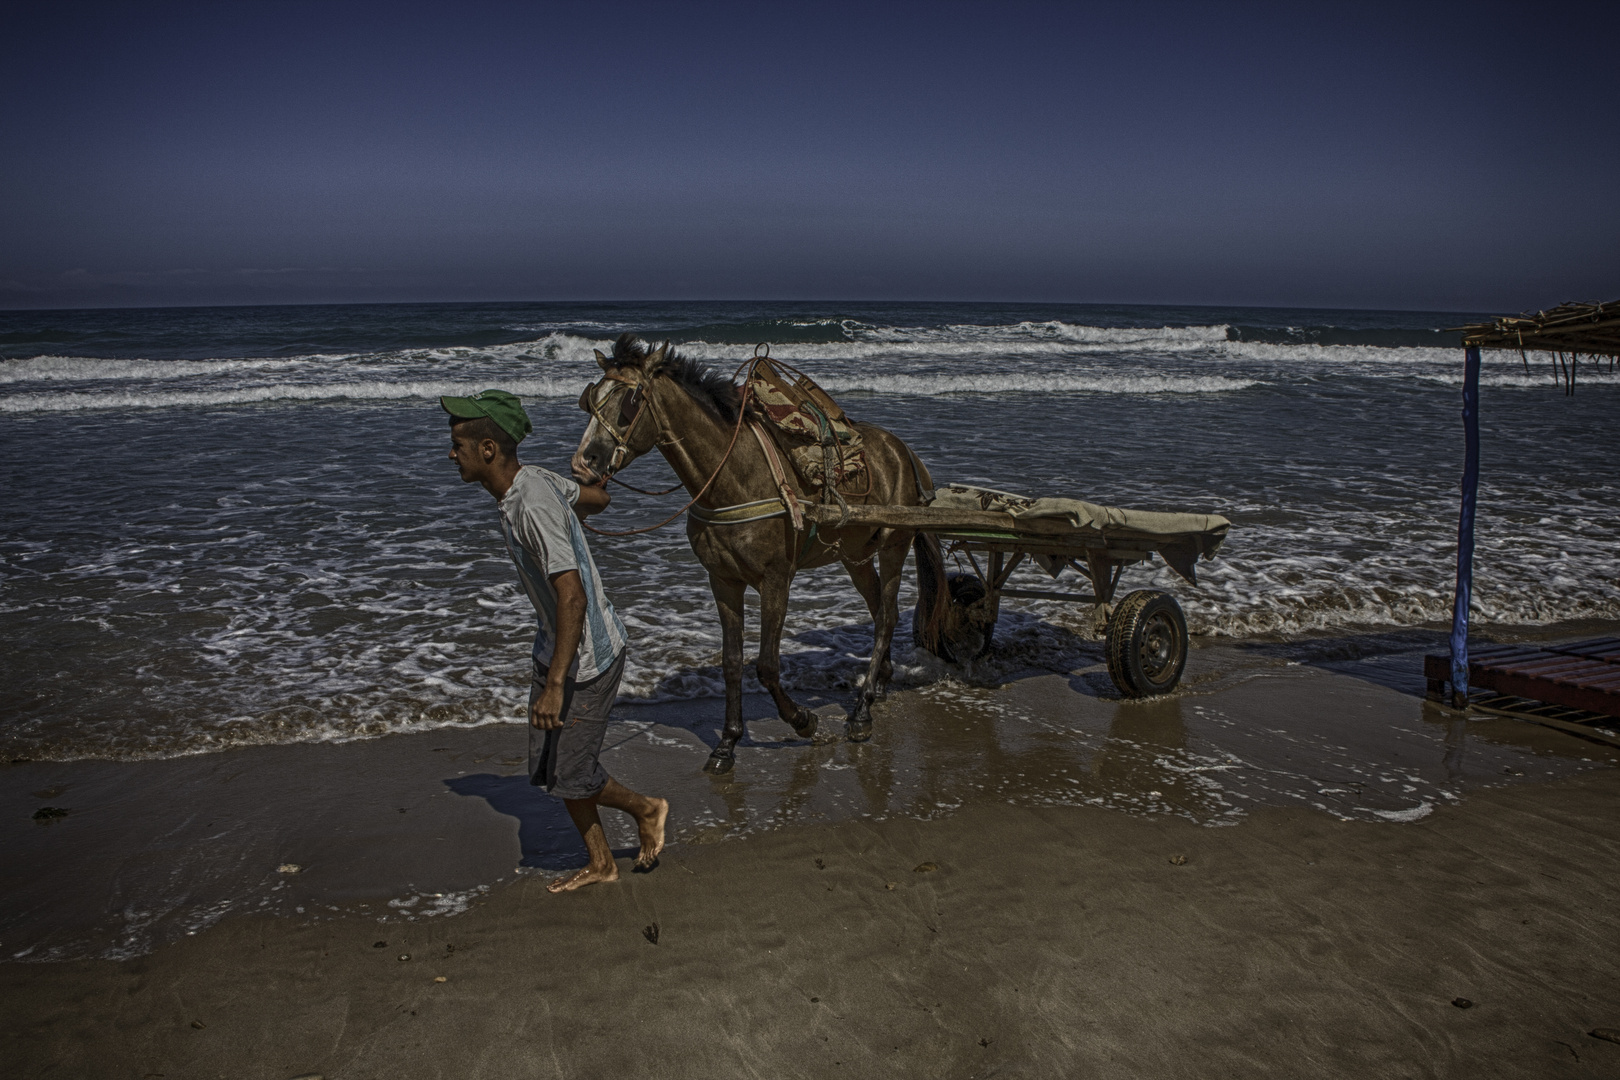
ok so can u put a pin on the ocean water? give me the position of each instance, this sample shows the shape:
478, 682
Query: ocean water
233, 526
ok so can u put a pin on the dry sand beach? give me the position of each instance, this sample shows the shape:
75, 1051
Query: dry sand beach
995, 886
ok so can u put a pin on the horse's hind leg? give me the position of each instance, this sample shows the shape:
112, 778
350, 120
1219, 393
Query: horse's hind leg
728, 597
891, 566
880, 587
773, 597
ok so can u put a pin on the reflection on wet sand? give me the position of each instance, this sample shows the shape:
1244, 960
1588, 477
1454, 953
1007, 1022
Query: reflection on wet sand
1144, 764
1250, 732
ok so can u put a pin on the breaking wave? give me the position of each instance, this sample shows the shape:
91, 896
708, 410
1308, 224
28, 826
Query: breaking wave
91, 368
1022, 357
249, 395
568, 388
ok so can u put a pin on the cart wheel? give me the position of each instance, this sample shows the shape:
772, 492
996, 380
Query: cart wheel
1147, 644
962, 639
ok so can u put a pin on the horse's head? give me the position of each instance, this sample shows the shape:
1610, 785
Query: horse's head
644, 390
617, 405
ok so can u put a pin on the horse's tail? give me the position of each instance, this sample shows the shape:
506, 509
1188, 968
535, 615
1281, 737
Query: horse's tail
933, 592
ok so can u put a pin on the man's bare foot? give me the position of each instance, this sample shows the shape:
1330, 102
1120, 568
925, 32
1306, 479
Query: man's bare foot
651, 829
587, 875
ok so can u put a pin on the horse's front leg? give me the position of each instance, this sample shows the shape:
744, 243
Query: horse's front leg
773, 598
728, 597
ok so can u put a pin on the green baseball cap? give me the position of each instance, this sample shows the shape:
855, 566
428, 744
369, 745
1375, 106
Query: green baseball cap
503, 408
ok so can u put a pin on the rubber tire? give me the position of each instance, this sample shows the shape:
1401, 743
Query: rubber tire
1147, 644
966, 590
1116, 664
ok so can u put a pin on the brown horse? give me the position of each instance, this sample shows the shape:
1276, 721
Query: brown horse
694, 415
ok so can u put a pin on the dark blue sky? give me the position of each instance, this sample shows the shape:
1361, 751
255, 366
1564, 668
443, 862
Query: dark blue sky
1404, 156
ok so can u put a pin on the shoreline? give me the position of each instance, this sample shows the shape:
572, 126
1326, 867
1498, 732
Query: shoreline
1322, 645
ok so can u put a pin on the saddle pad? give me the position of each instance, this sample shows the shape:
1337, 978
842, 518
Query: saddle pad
809, 423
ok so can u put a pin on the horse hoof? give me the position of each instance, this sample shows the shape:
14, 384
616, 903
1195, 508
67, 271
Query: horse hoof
858, 730
719, 762
809, 720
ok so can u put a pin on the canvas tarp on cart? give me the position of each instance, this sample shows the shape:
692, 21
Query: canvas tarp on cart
1180, 539
1078, 513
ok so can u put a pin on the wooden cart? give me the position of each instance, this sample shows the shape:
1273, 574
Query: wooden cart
1146, 638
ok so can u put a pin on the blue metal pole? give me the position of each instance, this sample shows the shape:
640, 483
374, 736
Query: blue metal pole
1465, 531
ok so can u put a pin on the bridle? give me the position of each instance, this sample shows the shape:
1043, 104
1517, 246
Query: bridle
631, 411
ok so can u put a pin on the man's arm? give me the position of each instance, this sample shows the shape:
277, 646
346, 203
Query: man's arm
592, 499
546, 711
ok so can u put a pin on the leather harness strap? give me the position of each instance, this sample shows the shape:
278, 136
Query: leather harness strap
740, 514
790, 500
926, 494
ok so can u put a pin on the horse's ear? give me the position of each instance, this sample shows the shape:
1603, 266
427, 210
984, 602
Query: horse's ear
601, 360
655, 359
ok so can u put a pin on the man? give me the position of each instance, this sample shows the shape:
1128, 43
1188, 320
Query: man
580, 648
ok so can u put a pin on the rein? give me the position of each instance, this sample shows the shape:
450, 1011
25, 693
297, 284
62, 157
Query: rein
642, 491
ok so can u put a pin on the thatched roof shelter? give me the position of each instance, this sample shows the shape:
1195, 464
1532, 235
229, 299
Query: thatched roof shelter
1568, 331
1588, 329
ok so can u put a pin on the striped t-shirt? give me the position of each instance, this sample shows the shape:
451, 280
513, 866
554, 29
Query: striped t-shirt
544, 538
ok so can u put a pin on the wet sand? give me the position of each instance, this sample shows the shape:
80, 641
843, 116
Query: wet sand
1055, 941
1384, 857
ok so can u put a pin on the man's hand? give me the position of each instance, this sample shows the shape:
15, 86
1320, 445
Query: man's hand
546, 712
592, 499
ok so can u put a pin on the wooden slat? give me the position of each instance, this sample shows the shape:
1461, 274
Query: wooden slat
1605, 680
1544, 666
941, 519
1076, 549
1502, 650
1599, 649
1556, 669
934, 519
1569, 674
1048, 594
1577, 672
1528, 686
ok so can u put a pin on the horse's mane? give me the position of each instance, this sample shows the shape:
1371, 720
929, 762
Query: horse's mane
713, 391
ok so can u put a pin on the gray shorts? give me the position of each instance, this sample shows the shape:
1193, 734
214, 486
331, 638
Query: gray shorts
564, 760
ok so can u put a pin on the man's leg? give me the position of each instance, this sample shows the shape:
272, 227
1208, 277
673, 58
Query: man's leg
601, 866
650, 814
579, 747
